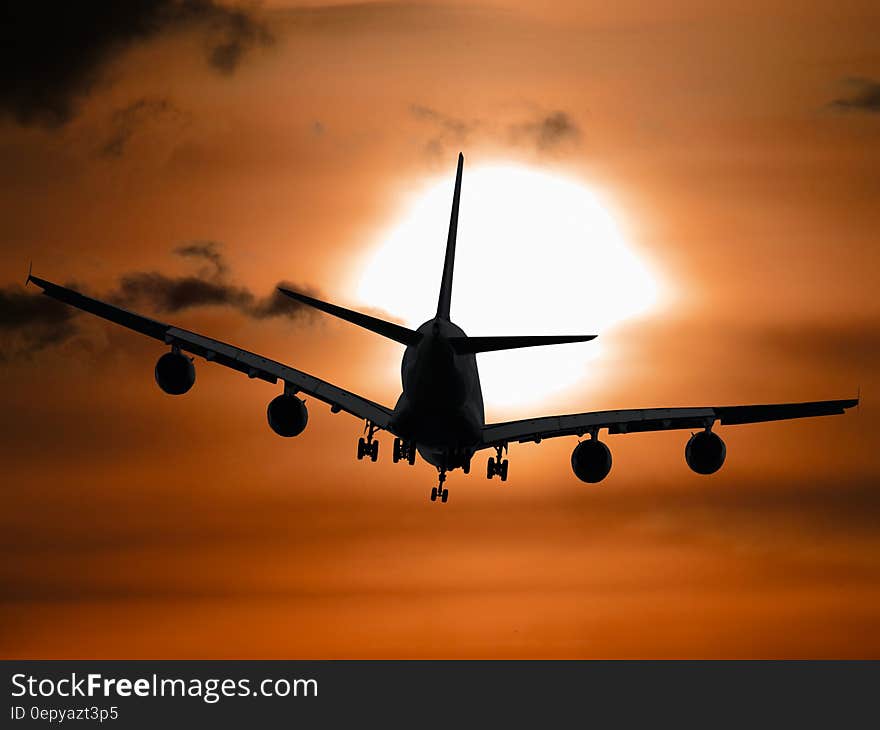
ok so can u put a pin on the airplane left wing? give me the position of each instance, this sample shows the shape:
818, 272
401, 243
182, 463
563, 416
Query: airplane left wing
253, 365
653, 419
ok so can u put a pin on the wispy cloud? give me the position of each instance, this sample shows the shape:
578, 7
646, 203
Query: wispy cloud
546, 131
536, 129
127, 121
864, 96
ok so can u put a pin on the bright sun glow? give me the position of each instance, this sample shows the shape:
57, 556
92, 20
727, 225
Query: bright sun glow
537, 253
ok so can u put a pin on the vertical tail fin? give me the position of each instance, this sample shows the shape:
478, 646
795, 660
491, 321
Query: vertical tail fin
449, 263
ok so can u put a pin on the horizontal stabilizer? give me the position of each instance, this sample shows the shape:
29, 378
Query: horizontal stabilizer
469, 345
390, 330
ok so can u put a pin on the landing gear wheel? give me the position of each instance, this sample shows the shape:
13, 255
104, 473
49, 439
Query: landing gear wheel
367, 446
404, 450
466, 468
439, 491
497, 465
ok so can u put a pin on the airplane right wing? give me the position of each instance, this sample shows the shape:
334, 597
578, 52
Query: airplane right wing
638, 420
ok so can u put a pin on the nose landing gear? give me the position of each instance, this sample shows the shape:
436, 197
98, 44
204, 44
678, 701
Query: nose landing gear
439, 491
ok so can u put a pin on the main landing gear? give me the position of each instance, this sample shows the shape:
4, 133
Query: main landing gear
368, 447
497, 466
404, 451
439, 491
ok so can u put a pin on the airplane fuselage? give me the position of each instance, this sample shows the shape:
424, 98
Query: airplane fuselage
441, 406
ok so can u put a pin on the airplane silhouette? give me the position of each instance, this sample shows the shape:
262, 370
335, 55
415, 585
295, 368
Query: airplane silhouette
440, 412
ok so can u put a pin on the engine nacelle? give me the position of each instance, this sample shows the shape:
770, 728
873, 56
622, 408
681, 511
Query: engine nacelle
705, 452
175, 373
591, 461
287, 415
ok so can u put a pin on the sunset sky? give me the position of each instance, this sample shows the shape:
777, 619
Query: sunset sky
221, 149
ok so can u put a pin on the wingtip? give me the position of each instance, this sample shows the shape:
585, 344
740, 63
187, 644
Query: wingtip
298, 297
288, 293
30, 272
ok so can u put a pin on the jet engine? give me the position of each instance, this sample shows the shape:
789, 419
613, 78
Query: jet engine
175, 373
705, 452
591, 461
287, 415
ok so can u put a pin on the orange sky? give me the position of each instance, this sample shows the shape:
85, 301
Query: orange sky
139, 525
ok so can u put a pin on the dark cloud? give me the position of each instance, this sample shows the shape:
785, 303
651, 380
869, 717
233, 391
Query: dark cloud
54, 54
30, 323
125, 122
165, 294
170, 294
864, 96
546, 132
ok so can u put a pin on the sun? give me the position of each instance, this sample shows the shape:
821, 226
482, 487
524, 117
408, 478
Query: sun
537, 253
